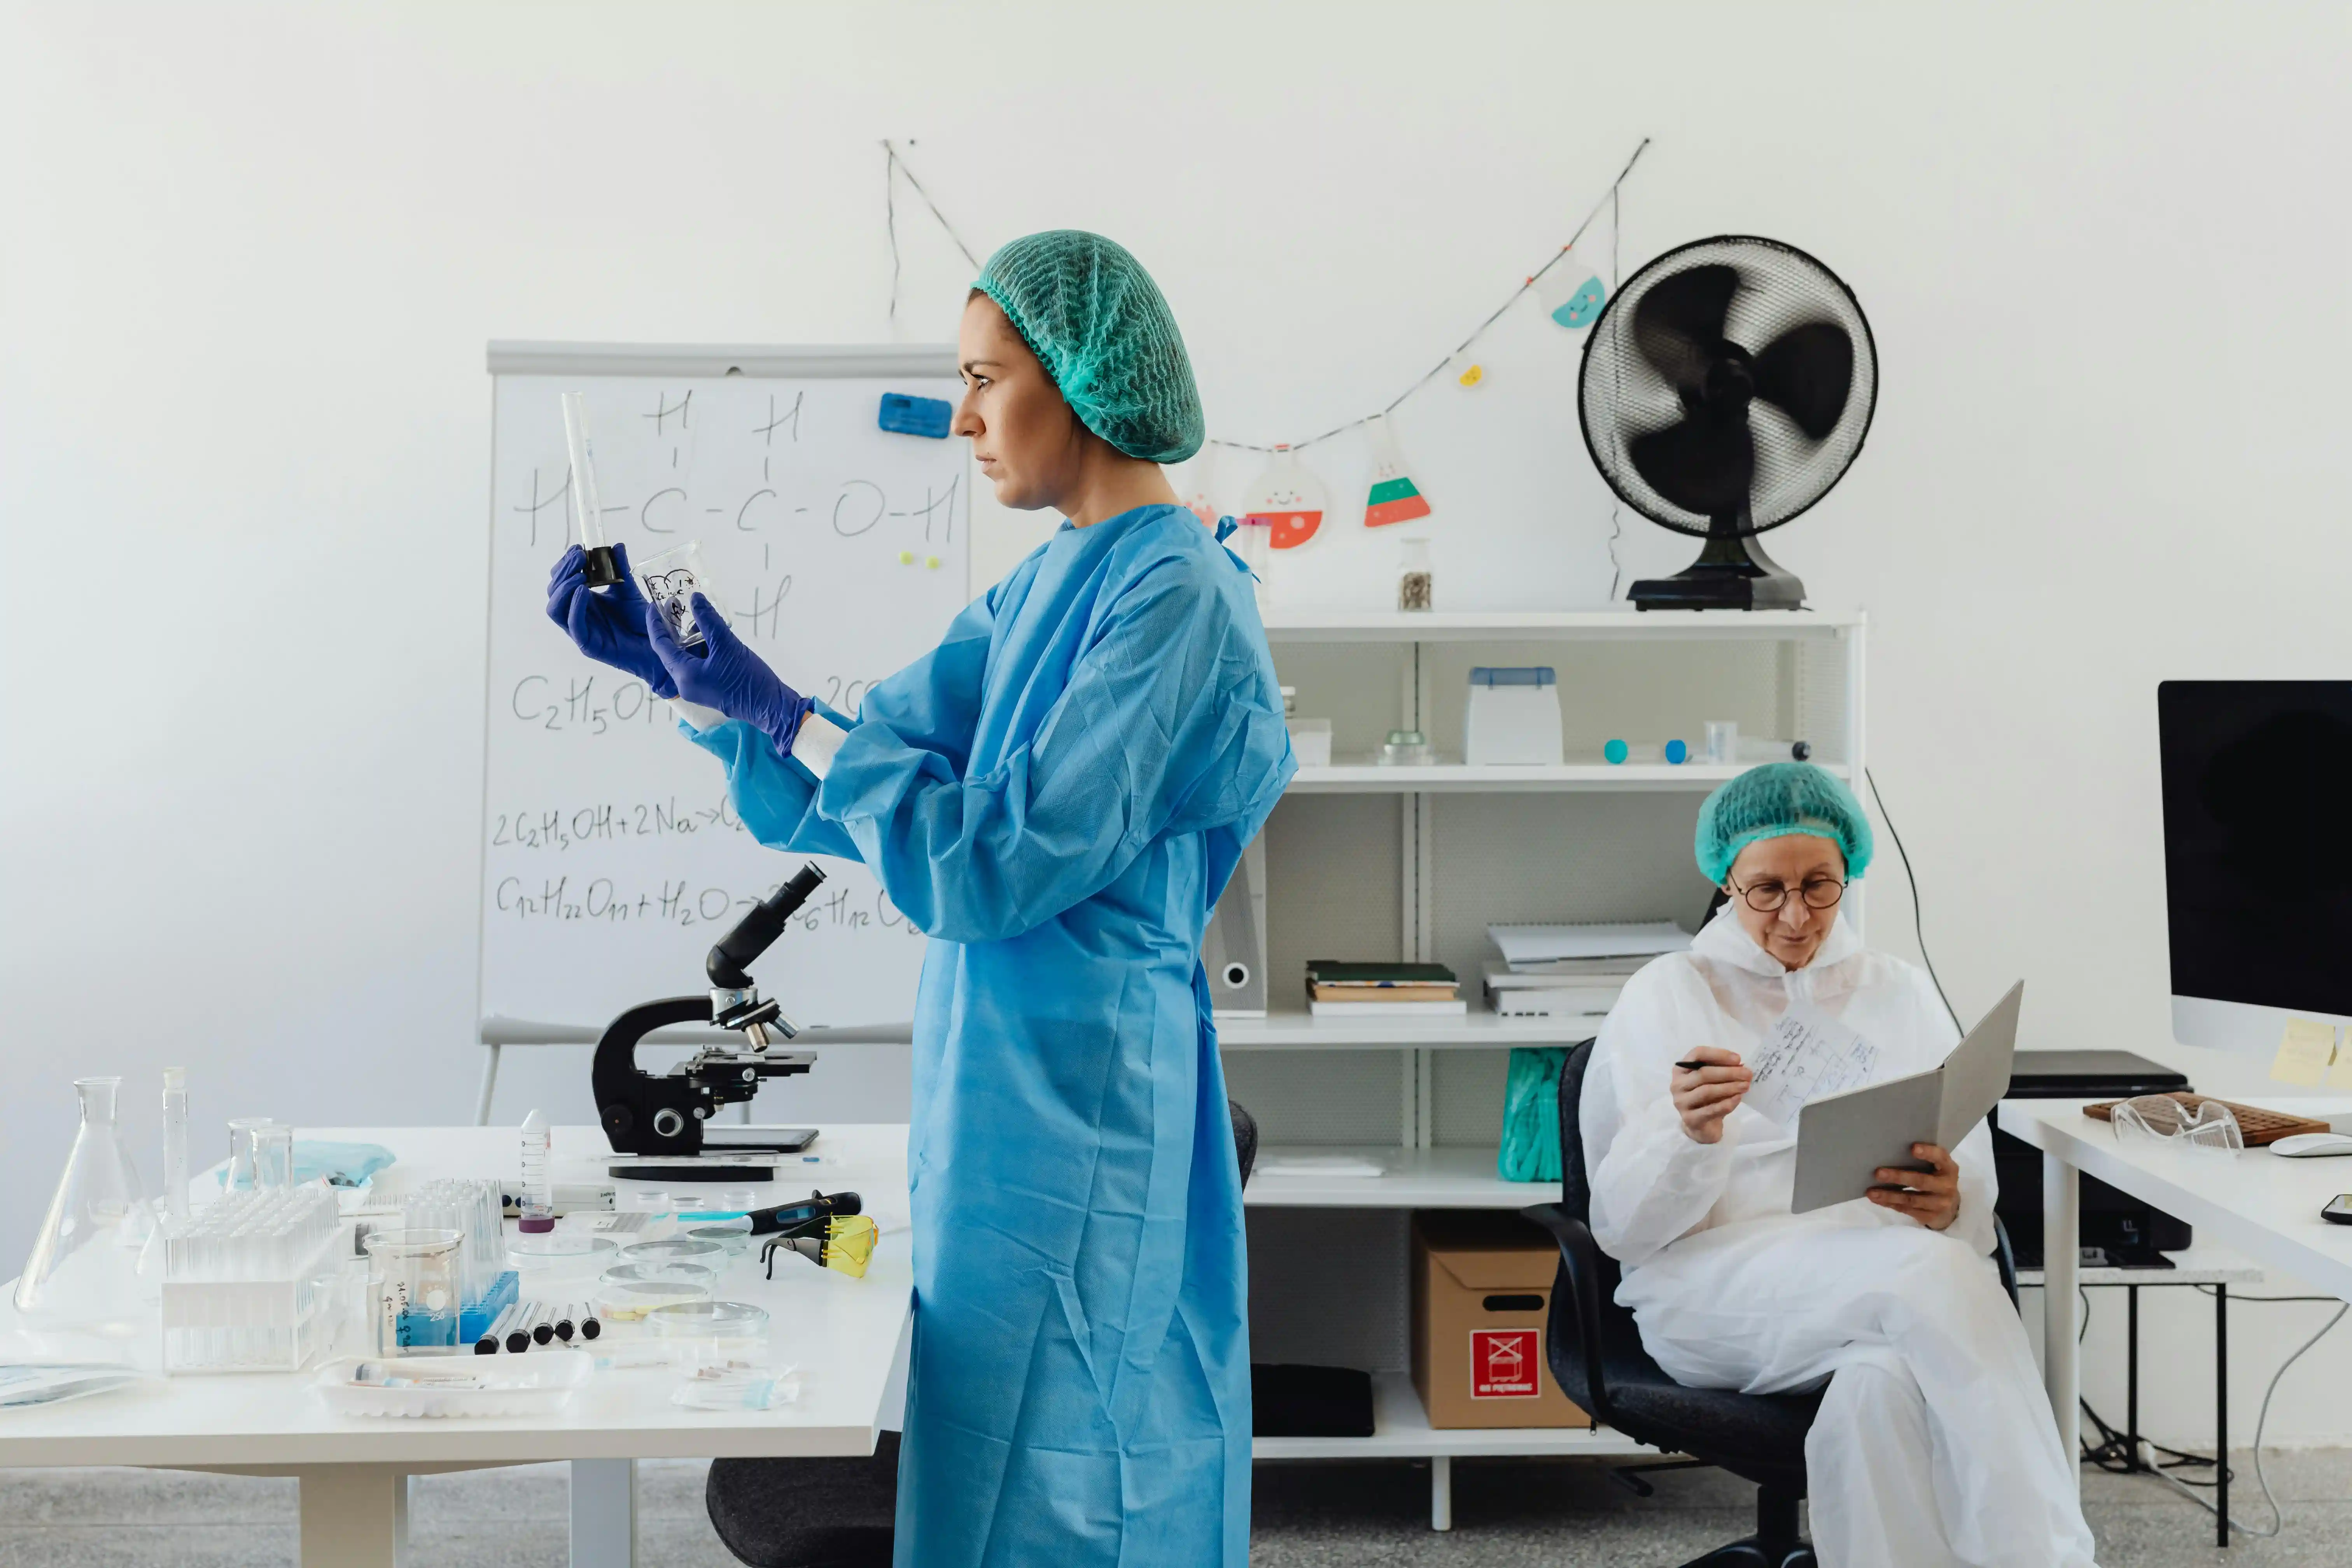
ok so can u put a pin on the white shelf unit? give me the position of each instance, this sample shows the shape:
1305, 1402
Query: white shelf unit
1366, 862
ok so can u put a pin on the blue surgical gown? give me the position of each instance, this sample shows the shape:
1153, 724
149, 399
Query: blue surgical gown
1055, 796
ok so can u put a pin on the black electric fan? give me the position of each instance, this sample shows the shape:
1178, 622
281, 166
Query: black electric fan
1726, 389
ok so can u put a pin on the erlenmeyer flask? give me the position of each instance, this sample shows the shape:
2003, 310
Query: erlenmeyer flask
84, 1269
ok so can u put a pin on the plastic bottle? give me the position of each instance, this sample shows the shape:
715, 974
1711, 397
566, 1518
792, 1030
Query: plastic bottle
175, 1143
538, 1197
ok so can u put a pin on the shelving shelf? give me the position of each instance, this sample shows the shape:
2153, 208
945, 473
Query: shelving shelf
1455, 778
1295, 625
1304, 1032
1400, 1430
1454, 1177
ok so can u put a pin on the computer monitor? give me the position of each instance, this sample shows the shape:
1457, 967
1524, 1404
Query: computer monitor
2257, 857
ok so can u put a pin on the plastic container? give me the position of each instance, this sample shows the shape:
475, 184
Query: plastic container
1406, 749
537, 1205
83, 1271
1310, 742
535, 1384
700, 1274
1416, 582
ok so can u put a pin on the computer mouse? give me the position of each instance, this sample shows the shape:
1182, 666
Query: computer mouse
2313, 1145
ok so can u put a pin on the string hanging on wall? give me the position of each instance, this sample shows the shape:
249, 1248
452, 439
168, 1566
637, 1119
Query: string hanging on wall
1574, 306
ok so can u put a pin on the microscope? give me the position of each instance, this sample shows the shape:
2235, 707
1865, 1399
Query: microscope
666, 1119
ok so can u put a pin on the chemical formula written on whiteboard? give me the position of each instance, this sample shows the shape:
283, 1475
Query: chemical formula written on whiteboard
603, 900
589, 704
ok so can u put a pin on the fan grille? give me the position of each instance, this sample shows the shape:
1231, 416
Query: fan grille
1622, 396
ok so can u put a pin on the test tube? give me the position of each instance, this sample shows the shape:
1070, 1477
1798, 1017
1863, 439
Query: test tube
175, 1143
587, 508
273, 1158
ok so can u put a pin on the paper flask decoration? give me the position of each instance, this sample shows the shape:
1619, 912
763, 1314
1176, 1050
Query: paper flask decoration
1570, 291
1287, 500
1394, 498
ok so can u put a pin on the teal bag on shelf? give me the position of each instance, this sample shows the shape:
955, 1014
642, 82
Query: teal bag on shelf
1530, 1151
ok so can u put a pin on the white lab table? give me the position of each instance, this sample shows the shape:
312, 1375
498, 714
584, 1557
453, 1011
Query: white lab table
2253, 1201
846, 1335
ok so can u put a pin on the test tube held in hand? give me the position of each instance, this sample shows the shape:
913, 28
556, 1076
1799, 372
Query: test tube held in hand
587, 508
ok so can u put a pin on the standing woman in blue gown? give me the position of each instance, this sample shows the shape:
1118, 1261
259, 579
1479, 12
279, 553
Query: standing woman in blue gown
1055, 796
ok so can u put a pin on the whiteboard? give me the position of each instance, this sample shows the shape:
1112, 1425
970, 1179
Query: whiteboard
611, 858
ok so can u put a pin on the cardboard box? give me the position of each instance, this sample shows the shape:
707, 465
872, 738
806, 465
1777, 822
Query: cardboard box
1480, 1293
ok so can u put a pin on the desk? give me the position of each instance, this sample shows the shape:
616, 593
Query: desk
2254, 1202
845, 1334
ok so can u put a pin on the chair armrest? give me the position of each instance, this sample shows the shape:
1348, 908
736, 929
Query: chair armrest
1577, 1297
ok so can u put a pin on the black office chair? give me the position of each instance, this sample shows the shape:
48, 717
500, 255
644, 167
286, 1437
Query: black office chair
838, 1513
1596, 1354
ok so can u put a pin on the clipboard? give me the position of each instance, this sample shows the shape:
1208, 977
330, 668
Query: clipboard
1843, 1139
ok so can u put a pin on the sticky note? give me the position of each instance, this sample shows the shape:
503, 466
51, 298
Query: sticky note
2306, 1049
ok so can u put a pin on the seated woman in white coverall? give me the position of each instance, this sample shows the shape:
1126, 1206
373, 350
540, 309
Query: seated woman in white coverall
1935, 1443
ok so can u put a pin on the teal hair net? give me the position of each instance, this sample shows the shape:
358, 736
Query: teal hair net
1098, 323
1776, 800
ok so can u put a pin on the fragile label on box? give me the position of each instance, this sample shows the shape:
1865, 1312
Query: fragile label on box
1504, 1364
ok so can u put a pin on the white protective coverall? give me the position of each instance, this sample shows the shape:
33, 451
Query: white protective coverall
1935, 1443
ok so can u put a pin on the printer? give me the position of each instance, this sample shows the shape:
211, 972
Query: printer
2118, 1230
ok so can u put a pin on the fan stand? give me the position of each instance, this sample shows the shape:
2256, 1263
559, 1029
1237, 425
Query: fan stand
1732, 573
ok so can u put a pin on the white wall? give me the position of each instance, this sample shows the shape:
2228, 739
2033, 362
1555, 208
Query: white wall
251, 257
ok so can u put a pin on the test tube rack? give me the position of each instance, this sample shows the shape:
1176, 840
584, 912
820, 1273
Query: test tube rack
475, 1209
249, 1281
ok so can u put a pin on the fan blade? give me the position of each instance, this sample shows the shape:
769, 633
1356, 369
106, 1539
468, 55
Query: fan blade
1806, 372
1679, 324
1703, 465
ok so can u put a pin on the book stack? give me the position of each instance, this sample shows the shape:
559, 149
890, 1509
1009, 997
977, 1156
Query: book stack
1571, 972
1382, 990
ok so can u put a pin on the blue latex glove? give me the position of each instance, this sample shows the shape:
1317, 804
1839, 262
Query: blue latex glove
724, 674
608, 624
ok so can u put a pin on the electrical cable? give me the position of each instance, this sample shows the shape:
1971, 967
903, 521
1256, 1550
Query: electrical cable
2112, 1455
1918, 924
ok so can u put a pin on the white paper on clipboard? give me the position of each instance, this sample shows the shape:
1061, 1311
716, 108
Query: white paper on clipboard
1806, 1055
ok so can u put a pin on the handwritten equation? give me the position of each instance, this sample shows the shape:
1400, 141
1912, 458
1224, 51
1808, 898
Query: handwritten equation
572, 828
599, 704
603, 900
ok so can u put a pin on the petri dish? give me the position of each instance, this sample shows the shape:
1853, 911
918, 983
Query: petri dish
677, 1249
561, 1248
662, 1273
709, 1321
733, 1235
629, 1300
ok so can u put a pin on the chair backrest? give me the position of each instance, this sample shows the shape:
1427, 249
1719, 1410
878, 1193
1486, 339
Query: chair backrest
1576, 1190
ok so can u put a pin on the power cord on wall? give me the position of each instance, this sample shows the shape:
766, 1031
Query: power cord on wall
1918, 925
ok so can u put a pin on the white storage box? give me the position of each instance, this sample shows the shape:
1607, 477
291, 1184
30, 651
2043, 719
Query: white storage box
1513, 717
1310, 742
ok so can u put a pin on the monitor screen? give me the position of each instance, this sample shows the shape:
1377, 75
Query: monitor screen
2257, 860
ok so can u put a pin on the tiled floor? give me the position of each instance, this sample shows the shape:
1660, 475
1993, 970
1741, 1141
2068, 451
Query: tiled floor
1507, 1514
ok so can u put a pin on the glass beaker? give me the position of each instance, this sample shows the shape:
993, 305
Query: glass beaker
671, 580
84, 1268
273, 1157
1416, 589
239, 1176
413, 1291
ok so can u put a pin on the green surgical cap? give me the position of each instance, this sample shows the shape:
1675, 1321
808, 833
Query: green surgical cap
1097, 320
1772, 801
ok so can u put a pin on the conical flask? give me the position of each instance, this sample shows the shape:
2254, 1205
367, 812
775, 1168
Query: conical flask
84, 1269
1289, 500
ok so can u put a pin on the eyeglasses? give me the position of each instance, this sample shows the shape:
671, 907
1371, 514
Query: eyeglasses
1819, 893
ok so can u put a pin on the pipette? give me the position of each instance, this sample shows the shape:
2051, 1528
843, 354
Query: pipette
587, 510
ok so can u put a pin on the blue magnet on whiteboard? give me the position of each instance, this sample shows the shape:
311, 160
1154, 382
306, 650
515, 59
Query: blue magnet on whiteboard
916, 416
1616, 750
1677, 754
